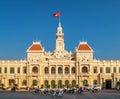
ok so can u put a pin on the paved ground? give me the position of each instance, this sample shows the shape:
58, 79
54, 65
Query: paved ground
108, 94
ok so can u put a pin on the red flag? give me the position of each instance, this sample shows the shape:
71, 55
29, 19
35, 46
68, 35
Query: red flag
56, 14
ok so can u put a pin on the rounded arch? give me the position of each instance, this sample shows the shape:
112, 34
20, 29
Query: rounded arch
35, 69
46, 70
85, 83
60, 70
66, 70
84, 70
53, 70
73, 70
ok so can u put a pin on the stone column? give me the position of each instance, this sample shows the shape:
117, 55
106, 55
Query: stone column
117, 69
70, 69
49, 70
111, 69
103, 69
63, 70
2, 70
56, 67
21, 70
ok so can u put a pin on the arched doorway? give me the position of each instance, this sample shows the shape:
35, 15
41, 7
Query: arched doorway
34, 83
11, 82
94, 82
66, 83
60, 84
108, 84
46, 83
52, 84
85, 83
73, 83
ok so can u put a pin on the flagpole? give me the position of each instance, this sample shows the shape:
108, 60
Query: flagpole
59, 22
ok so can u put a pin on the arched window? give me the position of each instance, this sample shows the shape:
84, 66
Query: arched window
66, 70
46, 83
94, 82
73, 70
60, 84
59, 70
46, 70
53, 84
52, 70
73, 83
85, 83
35, 70
114, 69
95, 70
107, 69
24, 83
66, 83
24, 70
84, 70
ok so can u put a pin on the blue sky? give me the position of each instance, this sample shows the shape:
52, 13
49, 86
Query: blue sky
94, 21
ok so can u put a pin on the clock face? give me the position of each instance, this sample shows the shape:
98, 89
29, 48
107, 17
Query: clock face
59, 55
84, 59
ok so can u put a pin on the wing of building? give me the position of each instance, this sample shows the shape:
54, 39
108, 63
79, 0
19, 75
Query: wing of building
59, 68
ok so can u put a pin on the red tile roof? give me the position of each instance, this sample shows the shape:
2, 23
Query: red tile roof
36, 46
84, 46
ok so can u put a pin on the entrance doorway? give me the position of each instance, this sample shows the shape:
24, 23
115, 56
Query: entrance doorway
11, 82
108, 84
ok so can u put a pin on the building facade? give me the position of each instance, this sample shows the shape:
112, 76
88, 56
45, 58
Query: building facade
59, 68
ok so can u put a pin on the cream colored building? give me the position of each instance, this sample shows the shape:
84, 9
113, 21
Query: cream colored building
59, 68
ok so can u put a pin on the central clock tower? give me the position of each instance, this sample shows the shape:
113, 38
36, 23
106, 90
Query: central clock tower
59, 39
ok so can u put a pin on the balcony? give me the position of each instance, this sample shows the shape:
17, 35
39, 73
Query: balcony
85, 74
59, 76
